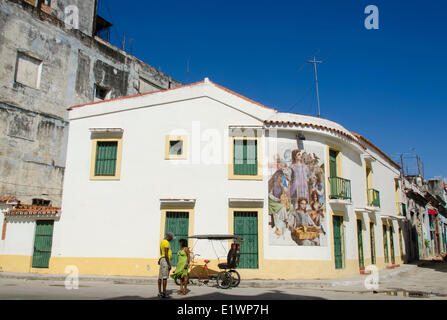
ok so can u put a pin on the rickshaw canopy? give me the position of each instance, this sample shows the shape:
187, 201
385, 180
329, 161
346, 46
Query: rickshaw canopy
217, 237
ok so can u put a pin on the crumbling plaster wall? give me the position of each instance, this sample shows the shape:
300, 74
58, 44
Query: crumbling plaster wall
33, 126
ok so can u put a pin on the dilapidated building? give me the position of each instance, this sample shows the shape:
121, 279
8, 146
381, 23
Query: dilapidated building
51, 57
425, 207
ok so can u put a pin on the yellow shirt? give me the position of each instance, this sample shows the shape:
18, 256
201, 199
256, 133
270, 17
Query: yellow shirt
165, 244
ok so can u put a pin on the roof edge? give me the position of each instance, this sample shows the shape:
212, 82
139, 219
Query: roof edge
133, 96
377, 148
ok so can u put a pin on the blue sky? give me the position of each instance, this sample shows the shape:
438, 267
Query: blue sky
388, 85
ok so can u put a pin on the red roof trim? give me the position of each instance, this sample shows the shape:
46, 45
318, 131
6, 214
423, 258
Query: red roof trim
133, 96
164, 90
241, 96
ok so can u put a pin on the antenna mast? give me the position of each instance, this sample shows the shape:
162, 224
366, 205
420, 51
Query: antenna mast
187, 71
314, 61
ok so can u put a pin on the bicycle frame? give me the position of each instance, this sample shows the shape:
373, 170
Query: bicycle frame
204, 275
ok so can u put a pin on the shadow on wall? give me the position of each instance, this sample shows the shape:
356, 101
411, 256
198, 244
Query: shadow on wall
440, 266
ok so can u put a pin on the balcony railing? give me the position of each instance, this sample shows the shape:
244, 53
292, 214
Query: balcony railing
373, 198
340, 188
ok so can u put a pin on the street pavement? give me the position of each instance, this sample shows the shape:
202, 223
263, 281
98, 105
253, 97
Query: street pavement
421, 281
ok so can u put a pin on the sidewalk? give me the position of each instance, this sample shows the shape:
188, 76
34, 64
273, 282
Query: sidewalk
357, 280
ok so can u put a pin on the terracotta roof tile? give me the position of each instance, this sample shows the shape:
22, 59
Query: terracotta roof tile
8, 199
315, 126
33, 210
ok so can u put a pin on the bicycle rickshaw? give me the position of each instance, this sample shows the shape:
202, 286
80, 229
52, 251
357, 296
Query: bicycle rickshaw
227, 276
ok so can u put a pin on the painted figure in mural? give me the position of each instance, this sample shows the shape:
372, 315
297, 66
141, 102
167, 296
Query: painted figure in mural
313, 165
298, 187
279, 203
307, 221
318, 188
277, 163
294, 218
316, 209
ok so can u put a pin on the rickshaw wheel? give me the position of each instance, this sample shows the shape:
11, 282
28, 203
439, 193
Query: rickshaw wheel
236, 278
224, 279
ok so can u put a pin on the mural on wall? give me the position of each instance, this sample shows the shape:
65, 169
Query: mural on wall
296, 197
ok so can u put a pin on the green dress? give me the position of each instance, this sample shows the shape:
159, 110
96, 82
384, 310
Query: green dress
180, 271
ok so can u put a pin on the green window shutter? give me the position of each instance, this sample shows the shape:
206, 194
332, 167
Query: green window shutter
106, 154
385, 244
360, 243
373, 243
43, 240
245, 157
246, 226
392, 245
338, 250
333, 163
178, 224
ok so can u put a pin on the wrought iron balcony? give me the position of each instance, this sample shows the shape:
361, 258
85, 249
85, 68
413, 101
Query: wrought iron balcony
340, 188
373, 198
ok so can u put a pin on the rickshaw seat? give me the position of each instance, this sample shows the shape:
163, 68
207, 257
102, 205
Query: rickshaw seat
232, 258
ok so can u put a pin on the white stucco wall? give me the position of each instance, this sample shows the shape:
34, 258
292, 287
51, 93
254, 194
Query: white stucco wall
122, 218
19, 239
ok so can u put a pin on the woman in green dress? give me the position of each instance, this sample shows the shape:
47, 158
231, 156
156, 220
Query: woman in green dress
181, 272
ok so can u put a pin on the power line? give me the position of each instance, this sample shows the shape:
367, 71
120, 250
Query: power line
301, 99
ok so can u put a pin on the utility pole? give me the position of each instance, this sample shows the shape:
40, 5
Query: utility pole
314, 61
124, 42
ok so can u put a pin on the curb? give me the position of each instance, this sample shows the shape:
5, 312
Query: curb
297, 283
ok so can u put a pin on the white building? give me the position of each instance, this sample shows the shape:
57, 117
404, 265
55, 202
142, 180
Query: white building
201, 159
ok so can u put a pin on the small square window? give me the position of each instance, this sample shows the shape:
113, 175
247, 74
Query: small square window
101, 93
175, 147
28, 70
41, 202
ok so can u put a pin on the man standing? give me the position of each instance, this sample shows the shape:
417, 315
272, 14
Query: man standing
165, 263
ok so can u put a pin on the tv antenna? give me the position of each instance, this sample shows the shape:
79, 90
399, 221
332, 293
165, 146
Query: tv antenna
315, 61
